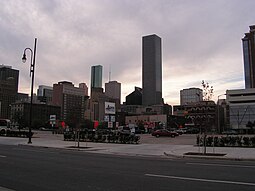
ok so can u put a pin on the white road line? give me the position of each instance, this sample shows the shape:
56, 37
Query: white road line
221, 165
201, 180
2, 156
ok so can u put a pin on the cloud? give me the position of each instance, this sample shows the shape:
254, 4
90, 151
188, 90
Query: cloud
201, 40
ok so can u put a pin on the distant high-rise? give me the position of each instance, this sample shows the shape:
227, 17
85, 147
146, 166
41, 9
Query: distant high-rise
191, 95
72, 101
96, 76
9, 79
45, 93
249, 57
152, 70
113, 90
85, 87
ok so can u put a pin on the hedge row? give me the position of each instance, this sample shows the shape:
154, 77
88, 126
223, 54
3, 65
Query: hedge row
10, 133
228, 141
103, 138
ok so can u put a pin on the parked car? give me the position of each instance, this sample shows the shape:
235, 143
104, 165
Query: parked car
230, 132
180, 131
165, 133
124, 130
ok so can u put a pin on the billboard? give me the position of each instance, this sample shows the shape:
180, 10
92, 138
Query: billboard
109, 108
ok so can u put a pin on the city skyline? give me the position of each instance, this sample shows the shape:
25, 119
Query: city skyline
201, 41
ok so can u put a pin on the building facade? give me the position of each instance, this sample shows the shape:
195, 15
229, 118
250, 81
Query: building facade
41, 114
113, 90
72, 101
9, 79
241, 108
249, 57
85, 87
151, 70
45, 93
135, 98
191, 95
96, 76
202, 115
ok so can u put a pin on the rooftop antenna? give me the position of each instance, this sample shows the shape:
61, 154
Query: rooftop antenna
110, 73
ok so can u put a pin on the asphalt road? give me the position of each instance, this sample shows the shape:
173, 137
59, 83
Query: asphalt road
24, 168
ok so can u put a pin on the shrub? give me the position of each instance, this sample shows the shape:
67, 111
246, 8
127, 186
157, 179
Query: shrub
246, 141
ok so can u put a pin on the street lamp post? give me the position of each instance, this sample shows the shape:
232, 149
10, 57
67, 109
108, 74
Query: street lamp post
218, 109
32, 75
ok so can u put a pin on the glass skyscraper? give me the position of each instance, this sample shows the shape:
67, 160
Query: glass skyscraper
96, 76
249, 57
152, 70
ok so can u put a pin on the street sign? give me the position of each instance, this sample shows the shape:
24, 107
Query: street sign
110, 124
52, 117
112, 118
106, 118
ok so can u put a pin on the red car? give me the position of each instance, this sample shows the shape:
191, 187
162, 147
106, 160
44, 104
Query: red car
164, 132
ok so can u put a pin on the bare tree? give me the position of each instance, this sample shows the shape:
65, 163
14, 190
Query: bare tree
207, 91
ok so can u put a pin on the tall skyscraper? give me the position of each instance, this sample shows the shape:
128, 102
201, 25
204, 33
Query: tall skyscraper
152, 70
9, 79
96, 76
249, 57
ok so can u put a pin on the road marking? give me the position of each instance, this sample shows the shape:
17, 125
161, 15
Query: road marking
2, 156
222, 165
201, 180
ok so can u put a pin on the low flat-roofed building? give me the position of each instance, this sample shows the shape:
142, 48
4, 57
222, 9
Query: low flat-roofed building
241, 108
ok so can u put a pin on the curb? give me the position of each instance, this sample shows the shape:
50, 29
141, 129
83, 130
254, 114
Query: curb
209, 157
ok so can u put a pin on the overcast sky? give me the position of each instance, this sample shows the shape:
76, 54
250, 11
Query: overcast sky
201, 40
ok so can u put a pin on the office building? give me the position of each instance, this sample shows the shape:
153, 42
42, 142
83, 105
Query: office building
191, 95
72, 101
113, 90
96, 76
249, 57
9, 79
135, 98
241, 108
200, 115
84, 87
45, 93
41, 113
151, 70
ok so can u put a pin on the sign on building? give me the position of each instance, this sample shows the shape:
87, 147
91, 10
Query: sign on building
52, 117
109, 108
52, 120
106, 118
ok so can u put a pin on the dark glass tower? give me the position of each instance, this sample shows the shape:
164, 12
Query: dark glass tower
249, 57
9, 79
152, 70
96, 76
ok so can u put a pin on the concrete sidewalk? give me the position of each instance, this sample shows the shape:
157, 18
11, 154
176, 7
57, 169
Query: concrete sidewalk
157, 150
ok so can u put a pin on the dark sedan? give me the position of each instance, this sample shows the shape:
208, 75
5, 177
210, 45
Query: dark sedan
165, 133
